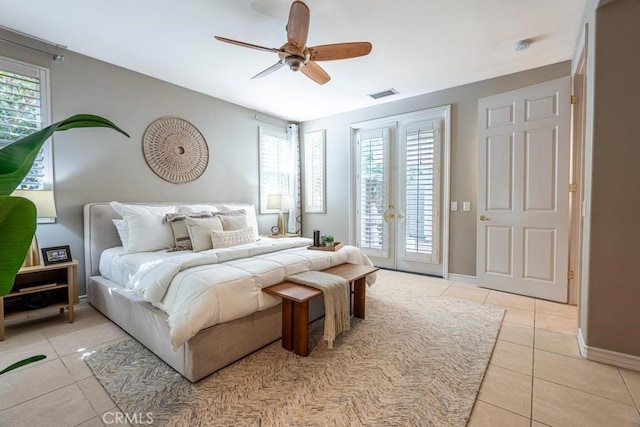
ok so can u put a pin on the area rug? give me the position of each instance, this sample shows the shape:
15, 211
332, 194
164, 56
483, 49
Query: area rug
416, 360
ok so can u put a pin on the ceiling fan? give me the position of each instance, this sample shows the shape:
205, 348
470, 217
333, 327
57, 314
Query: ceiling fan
297, 55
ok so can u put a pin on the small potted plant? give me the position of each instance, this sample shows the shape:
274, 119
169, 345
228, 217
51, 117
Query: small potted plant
327, 240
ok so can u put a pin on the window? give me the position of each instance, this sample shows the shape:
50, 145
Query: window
24, 109
314, 172
276, 165
422, 176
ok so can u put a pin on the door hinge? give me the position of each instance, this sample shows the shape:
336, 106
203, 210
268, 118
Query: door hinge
574, 99
570, 275
573, 188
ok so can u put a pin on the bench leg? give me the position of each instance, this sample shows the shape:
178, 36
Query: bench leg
287, 324
301, 328
359, 297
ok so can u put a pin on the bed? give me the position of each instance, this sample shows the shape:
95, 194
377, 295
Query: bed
197, 311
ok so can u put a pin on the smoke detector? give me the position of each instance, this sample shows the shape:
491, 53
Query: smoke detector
522, 44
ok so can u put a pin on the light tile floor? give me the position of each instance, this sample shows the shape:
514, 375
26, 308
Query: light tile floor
536, 376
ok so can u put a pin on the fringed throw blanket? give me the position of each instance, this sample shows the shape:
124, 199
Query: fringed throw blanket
336, 300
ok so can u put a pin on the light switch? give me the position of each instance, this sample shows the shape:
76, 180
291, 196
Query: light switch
466, 206
454, 206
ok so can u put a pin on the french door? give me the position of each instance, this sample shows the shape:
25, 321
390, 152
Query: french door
399, 190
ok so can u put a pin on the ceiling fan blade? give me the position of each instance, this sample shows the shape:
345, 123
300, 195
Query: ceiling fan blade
315, 73
252, 46
298, 24
269, 70
330, 52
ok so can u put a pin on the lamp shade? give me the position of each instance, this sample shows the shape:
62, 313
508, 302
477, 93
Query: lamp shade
282, 202
43, 199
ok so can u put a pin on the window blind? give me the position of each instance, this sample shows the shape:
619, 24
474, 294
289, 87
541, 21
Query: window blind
421, 195
314, 171
276, 165
373, 179
22, 112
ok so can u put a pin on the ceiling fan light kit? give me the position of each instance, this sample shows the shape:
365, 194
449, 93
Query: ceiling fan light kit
297, 55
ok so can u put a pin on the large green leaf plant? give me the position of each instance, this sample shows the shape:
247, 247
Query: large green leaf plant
18, 215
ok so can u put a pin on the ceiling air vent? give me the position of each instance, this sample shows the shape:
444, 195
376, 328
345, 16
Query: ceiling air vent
384, 93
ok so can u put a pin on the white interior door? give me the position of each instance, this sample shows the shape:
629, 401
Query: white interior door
399, 175
523, 179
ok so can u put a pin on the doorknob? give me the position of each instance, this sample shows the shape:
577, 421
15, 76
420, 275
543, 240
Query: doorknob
386, 215
483, 218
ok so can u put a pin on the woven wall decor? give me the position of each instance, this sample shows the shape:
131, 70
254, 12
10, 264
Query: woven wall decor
175, 150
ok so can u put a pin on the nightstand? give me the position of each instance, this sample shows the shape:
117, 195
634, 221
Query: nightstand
40, 288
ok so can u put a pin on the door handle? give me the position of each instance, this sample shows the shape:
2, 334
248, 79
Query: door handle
483, 218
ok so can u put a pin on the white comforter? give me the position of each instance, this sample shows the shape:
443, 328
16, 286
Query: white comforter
198, 290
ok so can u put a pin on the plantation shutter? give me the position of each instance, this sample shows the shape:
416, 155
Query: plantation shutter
275, 165
373, 179
421, 191
22, 112
314, 171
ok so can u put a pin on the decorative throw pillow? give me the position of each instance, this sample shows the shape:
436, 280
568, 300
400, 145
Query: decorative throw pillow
189, 209
178, 222
233, 220
226, 239
250, 211
146, 230
123, 232
199, 232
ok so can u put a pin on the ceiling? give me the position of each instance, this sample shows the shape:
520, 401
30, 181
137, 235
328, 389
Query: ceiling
419, 46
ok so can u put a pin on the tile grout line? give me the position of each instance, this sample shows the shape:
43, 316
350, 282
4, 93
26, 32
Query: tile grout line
635, 404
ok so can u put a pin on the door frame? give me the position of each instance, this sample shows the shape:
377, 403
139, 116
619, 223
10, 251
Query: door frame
578, 129
393, 122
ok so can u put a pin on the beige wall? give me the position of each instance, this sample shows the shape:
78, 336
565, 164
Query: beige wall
464, 102
101, 165
610, 314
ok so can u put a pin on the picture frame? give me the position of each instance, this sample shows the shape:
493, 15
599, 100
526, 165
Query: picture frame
56, 255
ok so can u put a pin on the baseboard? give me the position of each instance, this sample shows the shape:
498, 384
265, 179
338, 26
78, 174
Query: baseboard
609, 357
462, 278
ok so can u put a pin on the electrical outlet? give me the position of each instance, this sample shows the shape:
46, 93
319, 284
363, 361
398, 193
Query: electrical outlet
454, 206
466, 206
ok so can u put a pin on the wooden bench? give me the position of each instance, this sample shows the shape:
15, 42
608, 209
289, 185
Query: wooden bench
295, 303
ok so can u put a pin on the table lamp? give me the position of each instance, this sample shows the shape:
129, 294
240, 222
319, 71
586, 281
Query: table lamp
281, 202
45, 208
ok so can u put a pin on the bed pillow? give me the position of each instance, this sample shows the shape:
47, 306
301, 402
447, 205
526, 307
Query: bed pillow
123, 232
252, 220
226, 239
178, 223
146, 228
200, 232
233, 220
